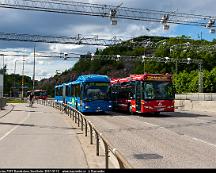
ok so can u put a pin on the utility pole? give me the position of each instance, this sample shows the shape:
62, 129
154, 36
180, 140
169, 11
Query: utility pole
3, 75
14, 85
33, 87
22, 96
144, 61
200, 88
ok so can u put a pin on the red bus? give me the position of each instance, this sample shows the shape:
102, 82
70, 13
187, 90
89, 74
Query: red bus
146, 93
39, 94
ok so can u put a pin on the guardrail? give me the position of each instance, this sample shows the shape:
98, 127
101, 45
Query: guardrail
196, 96
87, 126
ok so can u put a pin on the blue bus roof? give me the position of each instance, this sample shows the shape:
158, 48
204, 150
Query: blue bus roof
92, 78
87, 78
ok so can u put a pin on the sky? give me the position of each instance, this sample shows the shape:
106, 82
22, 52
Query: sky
42, 23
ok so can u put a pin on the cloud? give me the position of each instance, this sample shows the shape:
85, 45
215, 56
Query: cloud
43, 23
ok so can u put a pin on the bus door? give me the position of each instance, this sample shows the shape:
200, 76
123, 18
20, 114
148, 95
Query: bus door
138, 95
64, 93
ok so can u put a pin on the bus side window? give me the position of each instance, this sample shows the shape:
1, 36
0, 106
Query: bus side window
81, 91
70, 91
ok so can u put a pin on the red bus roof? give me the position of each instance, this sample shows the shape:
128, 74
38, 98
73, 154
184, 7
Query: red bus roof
143, 77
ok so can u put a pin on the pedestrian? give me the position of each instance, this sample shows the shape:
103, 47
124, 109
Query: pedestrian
31, 99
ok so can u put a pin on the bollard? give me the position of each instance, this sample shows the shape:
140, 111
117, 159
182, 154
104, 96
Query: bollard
78, 119
86, 128
82, 123
70, 112
75, 117
91, 134
97, 144
106, 155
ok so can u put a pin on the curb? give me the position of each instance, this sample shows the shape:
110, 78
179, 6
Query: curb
9, 111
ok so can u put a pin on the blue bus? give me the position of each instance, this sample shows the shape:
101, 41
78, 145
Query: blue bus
89, 93
59, 93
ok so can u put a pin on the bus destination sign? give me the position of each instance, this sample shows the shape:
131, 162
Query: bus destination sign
158, 78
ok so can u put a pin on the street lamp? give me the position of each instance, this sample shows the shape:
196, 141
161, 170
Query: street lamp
143, 60
14, 77
14, 86
33, 78
2, 74
23, 80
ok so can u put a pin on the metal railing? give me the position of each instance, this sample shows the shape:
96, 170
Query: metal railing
90, 130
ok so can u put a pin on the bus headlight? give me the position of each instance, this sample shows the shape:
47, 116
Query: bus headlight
87, 107
110, 106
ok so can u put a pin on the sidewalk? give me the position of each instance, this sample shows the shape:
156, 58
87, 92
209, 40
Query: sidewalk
6, 110
39, 137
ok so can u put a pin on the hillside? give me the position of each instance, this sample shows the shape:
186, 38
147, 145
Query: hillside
186, 79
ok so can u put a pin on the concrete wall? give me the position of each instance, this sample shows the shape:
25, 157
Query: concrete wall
190, 105
197, 96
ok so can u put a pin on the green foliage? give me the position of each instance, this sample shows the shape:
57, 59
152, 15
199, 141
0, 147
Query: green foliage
15, 101
186, 80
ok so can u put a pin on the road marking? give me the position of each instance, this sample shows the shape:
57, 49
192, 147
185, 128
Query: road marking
10, 131
154, 125
200, 140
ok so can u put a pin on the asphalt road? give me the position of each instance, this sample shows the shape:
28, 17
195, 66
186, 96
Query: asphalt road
170, 140
39, 137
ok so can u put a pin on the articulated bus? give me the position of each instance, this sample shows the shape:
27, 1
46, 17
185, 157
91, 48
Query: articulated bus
147, 93
89, 93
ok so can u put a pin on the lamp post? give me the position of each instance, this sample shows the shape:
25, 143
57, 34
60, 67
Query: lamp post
33, 78
22, 92
23, 80
14, 77
2, 74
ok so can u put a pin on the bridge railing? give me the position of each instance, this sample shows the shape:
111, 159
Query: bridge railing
196, 96
92, 131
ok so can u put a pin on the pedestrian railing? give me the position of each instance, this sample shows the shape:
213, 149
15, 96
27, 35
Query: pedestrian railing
90, 130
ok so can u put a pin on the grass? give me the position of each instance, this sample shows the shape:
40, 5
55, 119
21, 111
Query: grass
15, 101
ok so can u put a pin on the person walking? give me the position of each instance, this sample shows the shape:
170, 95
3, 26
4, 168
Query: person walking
31, 99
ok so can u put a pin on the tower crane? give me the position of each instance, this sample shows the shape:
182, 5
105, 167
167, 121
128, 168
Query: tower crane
112, 12
79, 40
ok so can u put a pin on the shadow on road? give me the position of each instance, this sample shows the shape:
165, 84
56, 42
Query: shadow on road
173, 114
149, 115
33, 125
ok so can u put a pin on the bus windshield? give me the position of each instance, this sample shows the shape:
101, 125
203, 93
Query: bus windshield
158, 90
96, 91
40, 93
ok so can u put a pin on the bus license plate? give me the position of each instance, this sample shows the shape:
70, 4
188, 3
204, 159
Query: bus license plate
160, 109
